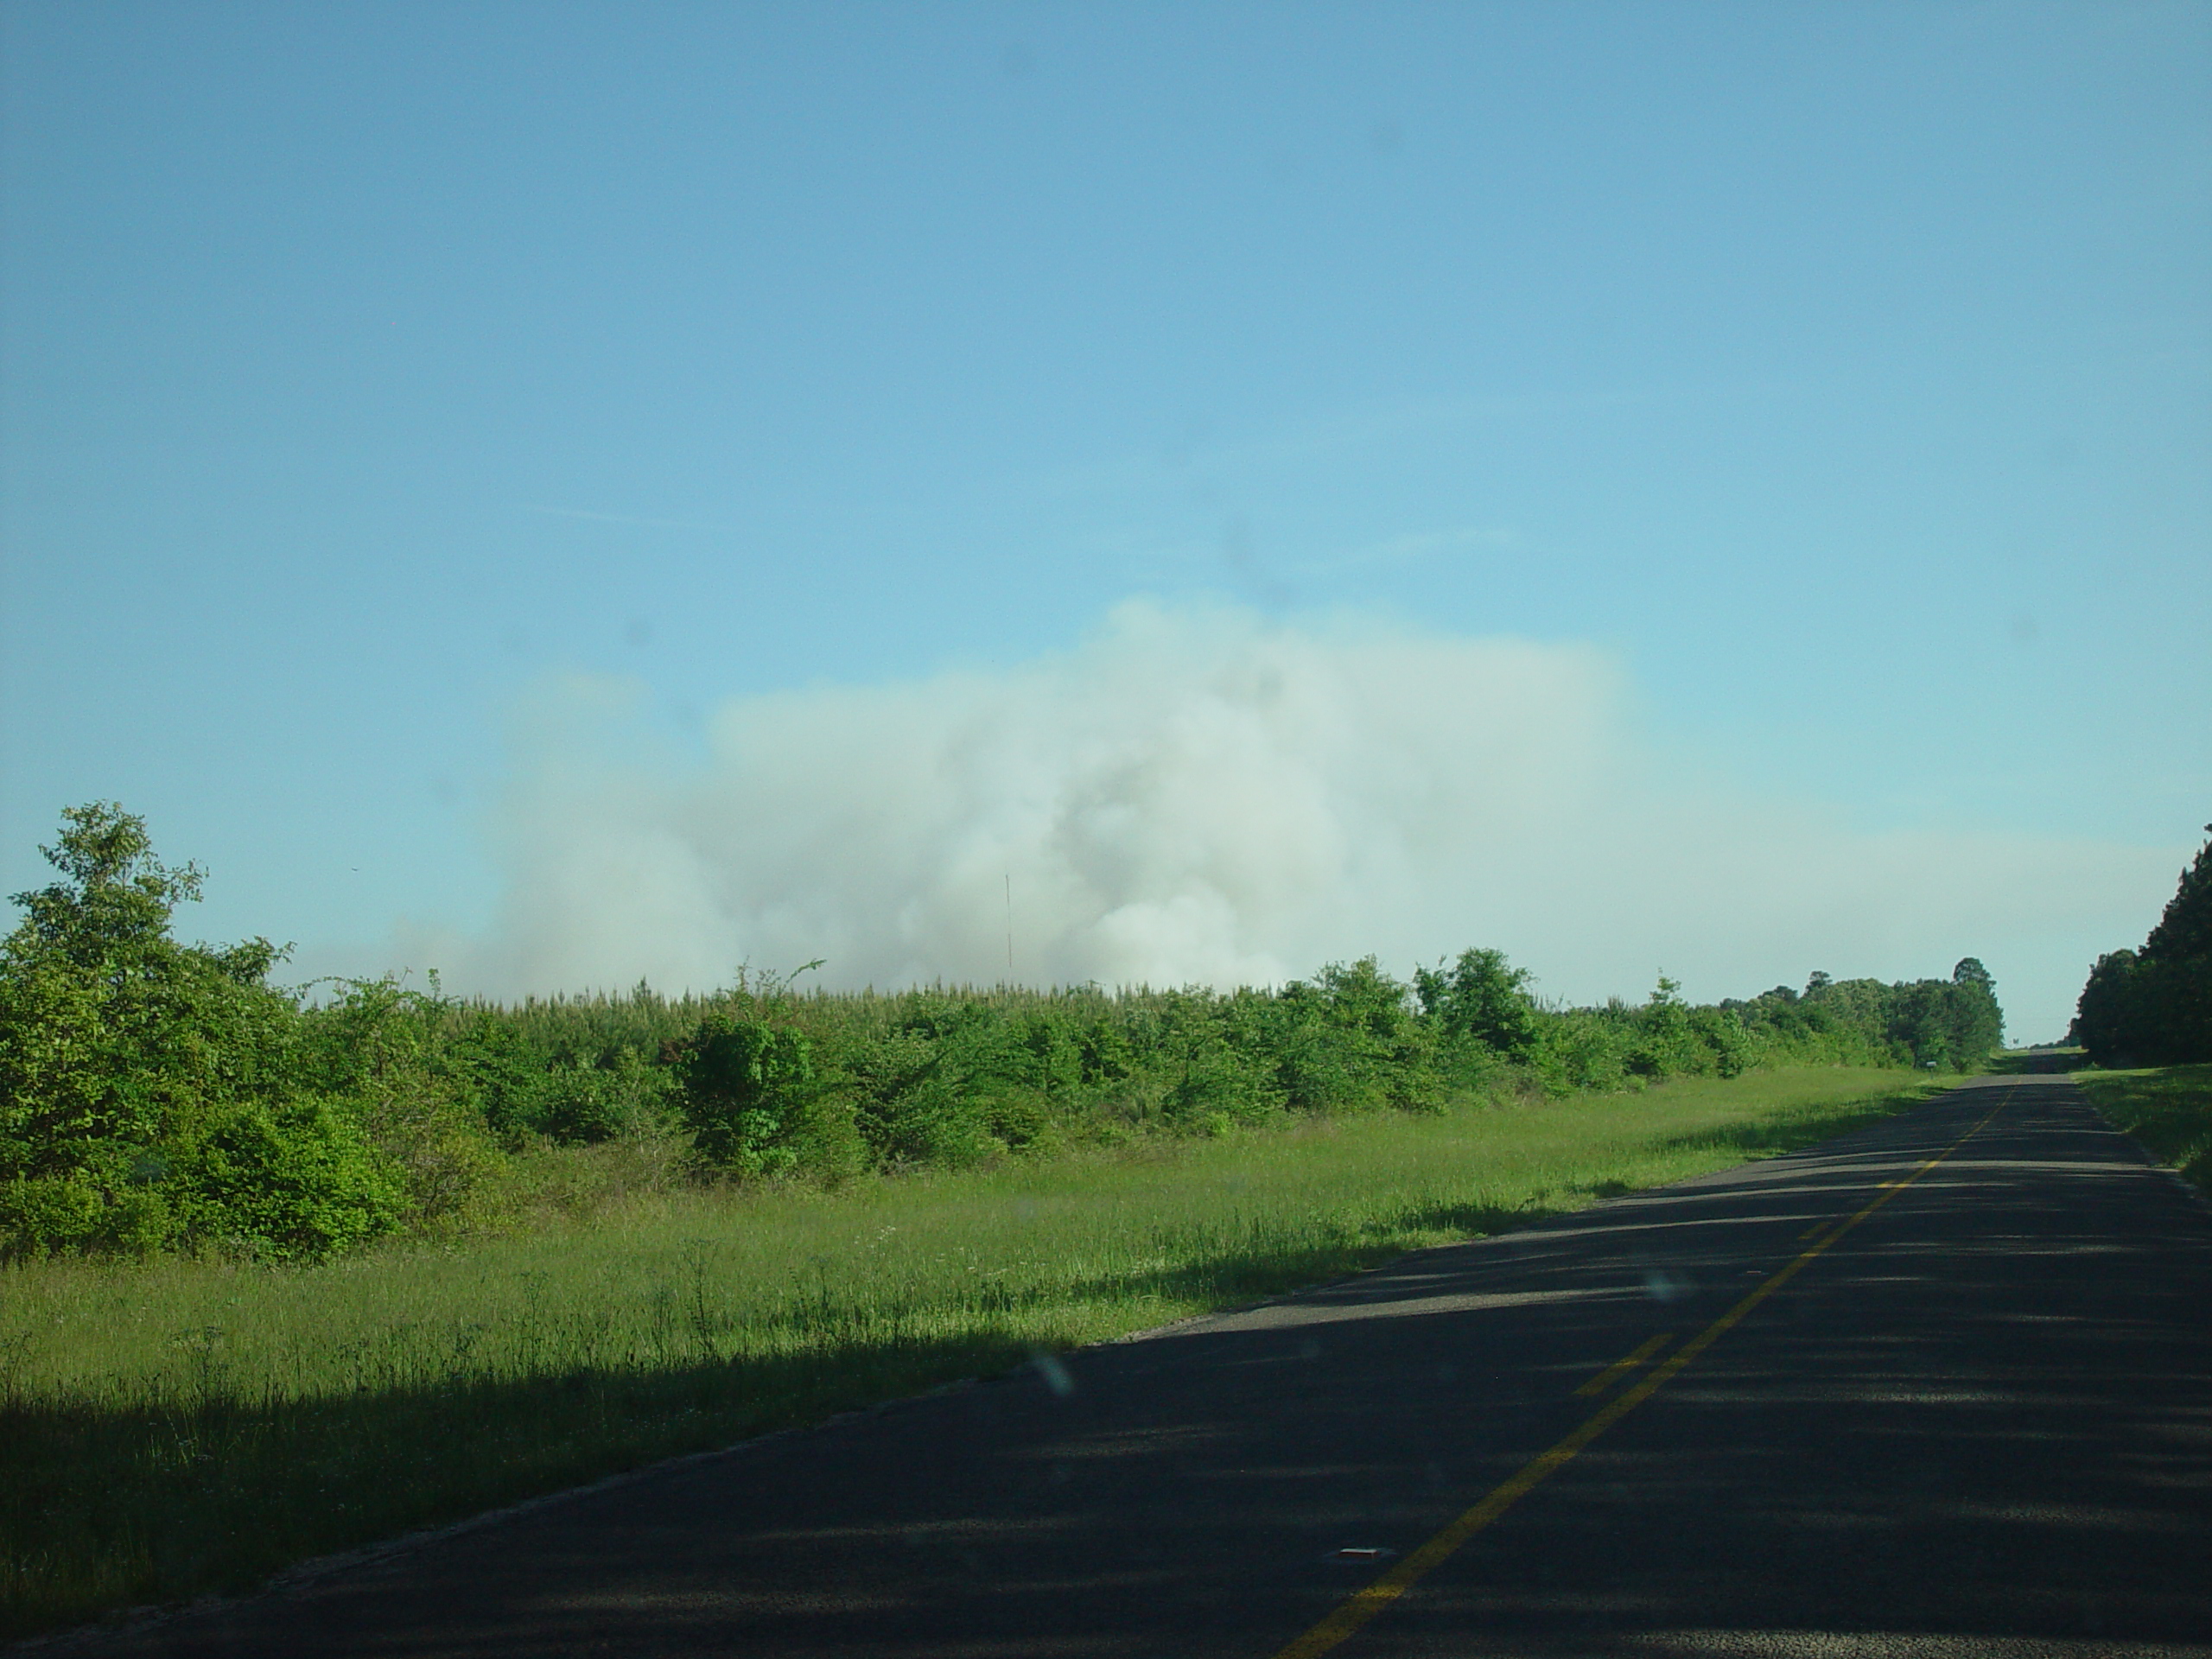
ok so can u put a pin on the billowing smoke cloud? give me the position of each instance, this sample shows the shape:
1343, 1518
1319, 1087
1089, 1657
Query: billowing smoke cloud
1203, 795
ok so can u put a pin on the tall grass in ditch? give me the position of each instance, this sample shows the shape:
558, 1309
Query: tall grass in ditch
2167, 1108
182, 1425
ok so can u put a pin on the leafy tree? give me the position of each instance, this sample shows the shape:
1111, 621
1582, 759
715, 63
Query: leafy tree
113, 909
2184, 929
1977, 1021
134, 1070
1482, 997
2153, 1007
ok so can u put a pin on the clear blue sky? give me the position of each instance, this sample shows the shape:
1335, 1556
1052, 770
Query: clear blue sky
1837, 373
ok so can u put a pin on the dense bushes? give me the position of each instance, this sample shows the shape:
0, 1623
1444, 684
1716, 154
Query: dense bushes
158, 1095
153, 1093
2153, 1007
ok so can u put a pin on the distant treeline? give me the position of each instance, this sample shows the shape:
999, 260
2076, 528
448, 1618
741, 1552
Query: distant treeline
2153, 1007
157, 1095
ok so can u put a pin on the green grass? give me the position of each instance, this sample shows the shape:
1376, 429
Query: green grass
2167, 1108
184, 1427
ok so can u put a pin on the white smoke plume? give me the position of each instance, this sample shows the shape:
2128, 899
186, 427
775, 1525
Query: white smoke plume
1205, 796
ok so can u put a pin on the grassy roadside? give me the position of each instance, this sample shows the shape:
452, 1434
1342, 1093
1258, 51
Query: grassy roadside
185, 1426
2167, 1108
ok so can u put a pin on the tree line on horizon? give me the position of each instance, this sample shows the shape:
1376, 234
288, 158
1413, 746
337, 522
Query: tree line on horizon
155, 1095
2153, 1006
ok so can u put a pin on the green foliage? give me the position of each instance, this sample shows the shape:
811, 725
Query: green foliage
750, 1096
380, 1049
1351, 1041
1945, 1023
148, 1092
1667, 1046
582, 1079
2168, 1108
1579, 1049
1483, 998
1935, 1024
295, 1181
155, 1096
1723, 1036
113, 908
2153, 1007
1209, 1053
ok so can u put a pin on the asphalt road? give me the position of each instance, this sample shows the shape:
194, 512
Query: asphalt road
1975, 1420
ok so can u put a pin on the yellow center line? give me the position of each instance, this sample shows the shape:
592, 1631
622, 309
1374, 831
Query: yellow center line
1826, 1222
1620, 1367
1361, 1605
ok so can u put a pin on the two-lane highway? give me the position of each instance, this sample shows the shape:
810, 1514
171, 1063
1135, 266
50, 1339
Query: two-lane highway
1940, 1388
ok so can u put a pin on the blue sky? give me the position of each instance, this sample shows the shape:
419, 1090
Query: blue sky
388, 387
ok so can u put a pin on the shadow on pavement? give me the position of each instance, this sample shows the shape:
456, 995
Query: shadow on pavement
1980, 1423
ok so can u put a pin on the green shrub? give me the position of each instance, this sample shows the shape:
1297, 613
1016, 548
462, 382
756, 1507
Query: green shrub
1483, 998
932, 1121
155, 1094
1664, 1045
294, 1182
40, 1213
753, 1101
1351, 1041
375, 1050
1579, 1049
1729, 1045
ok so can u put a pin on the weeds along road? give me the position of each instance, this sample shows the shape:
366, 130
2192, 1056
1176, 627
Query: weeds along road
1943, 1387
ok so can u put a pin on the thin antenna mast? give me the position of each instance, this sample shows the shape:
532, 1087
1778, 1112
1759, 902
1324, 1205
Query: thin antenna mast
1009, 927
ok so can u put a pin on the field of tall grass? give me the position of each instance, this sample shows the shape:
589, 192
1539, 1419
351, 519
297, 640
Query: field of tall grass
180, 1426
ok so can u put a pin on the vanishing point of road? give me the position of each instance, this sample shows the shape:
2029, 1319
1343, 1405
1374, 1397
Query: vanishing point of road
1941, 1389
